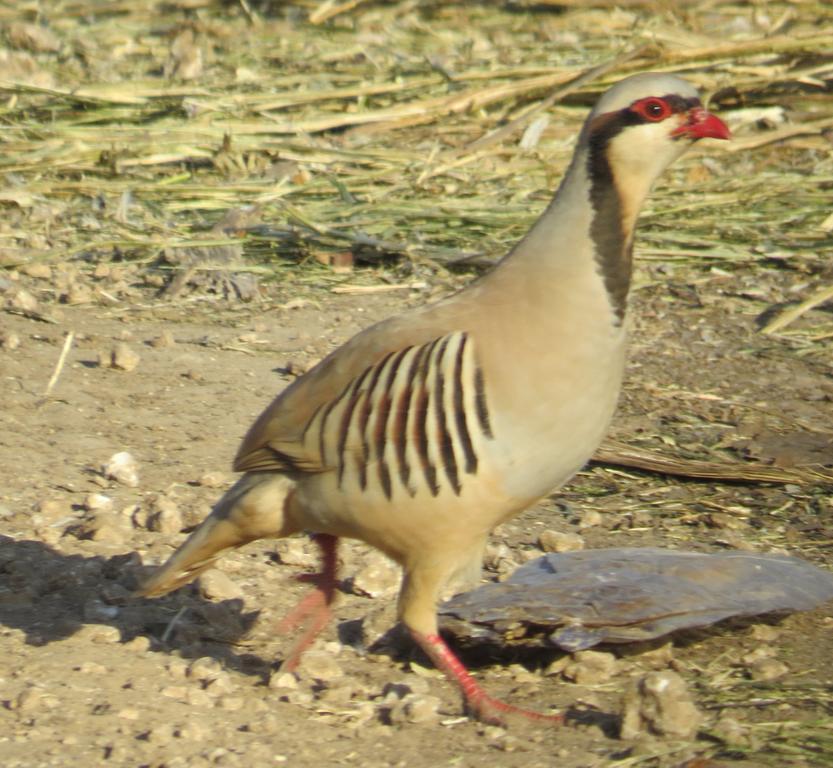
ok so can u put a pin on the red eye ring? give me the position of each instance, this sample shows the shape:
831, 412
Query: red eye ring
652, 109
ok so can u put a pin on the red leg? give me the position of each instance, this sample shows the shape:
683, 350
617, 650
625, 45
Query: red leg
315, 607
482, 706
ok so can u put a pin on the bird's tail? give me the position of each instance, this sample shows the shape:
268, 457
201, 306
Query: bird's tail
253, 508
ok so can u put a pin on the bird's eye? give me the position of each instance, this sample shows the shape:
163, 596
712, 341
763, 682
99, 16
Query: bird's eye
652, 110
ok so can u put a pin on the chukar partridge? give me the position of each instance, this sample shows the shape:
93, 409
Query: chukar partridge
427, 430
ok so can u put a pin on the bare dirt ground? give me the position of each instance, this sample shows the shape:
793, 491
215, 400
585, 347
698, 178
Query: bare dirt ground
91, 675
146, 151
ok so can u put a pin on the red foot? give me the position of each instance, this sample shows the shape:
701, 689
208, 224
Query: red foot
480, 704
314, 609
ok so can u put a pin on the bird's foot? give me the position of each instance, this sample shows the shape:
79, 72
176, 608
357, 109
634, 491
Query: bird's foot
313, 612
484, 707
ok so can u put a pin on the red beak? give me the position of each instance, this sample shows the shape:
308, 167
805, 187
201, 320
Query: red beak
703, 125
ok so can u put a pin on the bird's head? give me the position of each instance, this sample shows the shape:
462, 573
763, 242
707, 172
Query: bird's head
640, 126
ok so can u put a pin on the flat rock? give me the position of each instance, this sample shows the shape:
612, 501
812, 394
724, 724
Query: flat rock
576, 600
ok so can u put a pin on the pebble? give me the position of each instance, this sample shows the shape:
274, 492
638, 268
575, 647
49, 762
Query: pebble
138, 644
213, 480
216, 585
379, 576
123, 358
204, 668
164, 339
104, 527
764, 633
759, 653
220, 685
731, 731
230, 703
295, 552
591, 667
37, 270
98, 633
98, 502
122, 468
321, 666
767, 669
660, 704
660, 657
22, 301
92, 668
415, 708
555, 541
9, 340
283, 681
590, 518
164, 515
50, 511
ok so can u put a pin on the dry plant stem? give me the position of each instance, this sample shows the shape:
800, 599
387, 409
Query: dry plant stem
59, 366
330, 8
316, 605
619, 454
483, 706
792, 314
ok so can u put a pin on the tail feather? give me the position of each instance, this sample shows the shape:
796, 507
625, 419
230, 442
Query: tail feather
253, 508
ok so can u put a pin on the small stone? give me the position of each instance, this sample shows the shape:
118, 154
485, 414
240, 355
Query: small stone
216, 585
9, 340
198, 698
659, 657
295, 552
221, 685
128, 713
178, 692
520, 674
768, 669
99, 633
230, 703
205, 668
213, 480
590, 518
320, 666
416, 708
659, 704
731, 731
123, 358
138, 644
283, 681
50, 511
163, 340
92, 668
122, 468
98, 502
77, 293
378, 577
194, 730
759, 653
165, 518
37, 270
28, 700
22, 301
555, 541
591, 667
764, 633
102, 526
